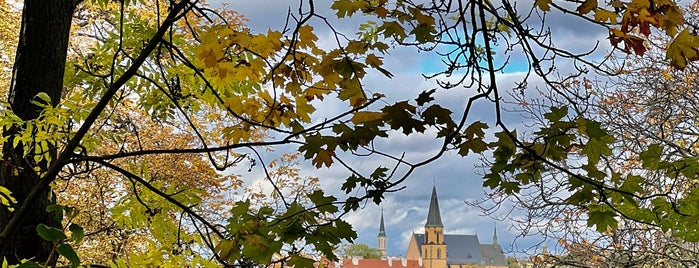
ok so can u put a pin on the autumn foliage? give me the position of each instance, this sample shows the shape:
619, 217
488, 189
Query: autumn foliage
136, 155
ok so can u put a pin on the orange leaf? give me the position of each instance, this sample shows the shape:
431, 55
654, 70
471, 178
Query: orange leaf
587, 6
324, 157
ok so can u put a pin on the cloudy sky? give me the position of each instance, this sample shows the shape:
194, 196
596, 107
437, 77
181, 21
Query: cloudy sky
457, 179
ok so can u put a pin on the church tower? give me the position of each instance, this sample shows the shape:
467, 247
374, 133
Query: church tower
495, 235
434, 250
382, 237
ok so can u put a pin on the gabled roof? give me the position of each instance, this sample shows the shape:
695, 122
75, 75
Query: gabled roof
434, 218
461, 249
377, 263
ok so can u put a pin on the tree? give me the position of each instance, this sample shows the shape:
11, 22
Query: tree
643, 179
184, 68
360, 250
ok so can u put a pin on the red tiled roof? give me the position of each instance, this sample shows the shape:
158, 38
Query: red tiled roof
376, 263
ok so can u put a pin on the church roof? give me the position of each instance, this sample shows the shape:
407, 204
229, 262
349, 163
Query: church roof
381, 263
493, 255
434, 218
461, 249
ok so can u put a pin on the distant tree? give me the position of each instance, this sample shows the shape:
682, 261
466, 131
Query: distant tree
360, 250
512, 262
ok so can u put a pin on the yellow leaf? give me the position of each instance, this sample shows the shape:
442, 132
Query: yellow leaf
587, 6
306, 36
684, 48
312, 93
602, 15
363, 117
667, 75
373, 60
209, 54
304, 109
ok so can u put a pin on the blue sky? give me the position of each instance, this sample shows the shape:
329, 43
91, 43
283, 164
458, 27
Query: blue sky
457, 179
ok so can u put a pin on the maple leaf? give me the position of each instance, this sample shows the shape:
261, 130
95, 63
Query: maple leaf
631, 42
587, 6
209, 54
543, 4
602, 218
392, 29
306, 36
400, 115
362, 117
603, 16
425, 97
684, 48
324, 157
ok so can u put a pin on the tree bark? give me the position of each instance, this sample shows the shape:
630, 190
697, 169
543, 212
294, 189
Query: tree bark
39, 67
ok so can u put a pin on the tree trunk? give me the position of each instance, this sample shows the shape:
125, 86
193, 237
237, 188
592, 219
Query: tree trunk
39, 67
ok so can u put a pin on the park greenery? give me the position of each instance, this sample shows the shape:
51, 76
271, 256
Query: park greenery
125, 119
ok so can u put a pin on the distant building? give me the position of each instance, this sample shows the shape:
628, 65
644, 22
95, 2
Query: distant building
389, 262
434, 249
438, 250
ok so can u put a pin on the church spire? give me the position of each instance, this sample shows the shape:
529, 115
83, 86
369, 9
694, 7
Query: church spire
382, 236
495, 235
433, 216
382, 229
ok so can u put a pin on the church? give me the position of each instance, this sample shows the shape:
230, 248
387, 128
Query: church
435, 249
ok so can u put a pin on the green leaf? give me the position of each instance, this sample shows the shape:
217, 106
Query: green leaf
392, 29
556, 113
379, 173
475, 145
50, 233
425, 97
57, 211
683, 49
299, 261
423, 33
77, 232
475, 130
651, 157
29, 264
400, 115
602, 217
345, 231
324, 203
436, 114
594, 149
67, 251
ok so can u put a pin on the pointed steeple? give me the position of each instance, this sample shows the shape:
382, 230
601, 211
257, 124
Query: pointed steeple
495, 235
382, 237
382, 229
434, 217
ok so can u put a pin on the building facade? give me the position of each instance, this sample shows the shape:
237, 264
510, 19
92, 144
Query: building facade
435, 249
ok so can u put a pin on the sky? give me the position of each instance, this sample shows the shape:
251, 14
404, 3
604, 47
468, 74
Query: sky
457, 179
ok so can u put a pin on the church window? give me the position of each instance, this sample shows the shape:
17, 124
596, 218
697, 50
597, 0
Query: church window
439, 254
